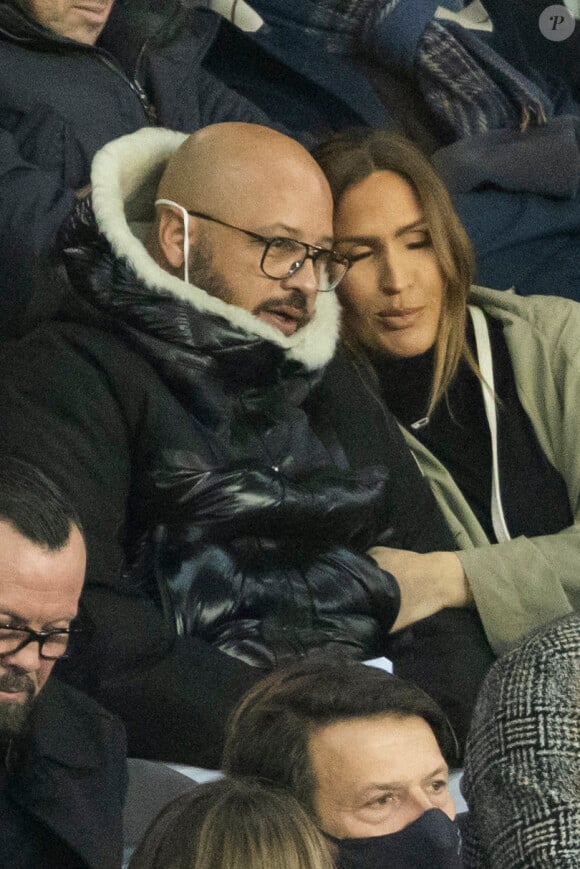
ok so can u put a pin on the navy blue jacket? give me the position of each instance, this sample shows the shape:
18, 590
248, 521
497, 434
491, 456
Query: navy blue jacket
60, 101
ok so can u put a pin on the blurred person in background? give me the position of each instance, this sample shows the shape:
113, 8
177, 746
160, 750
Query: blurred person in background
522, 765
233, 824
80, 74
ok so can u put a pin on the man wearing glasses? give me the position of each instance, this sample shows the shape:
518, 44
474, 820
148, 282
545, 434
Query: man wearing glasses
228, 499
62, 758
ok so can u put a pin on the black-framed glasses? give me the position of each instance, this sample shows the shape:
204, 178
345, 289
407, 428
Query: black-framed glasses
283, 257
52, 645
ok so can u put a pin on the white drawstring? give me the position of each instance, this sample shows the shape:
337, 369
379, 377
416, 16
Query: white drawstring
484, 358
185, 234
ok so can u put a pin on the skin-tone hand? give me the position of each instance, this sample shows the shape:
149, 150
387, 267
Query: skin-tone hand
429, 582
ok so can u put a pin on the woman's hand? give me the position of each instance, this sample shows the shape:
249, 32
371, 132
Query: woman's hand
429, 582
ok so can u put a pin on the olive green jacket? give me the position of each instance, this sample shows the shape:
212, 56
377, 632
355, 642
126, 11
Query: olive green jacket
525, 582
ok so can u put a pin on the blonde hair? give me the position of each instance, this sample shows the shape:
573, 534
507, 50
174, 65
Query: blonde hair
234, 823
350, 157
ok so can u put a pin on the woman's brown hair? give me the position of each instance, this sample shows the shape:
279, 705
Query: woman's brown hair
348, 158
232, 823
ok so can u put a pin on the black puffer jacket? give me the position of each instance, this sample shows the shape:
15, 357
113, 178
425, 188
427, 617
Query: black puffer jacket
60, 101
248, 525
204, 452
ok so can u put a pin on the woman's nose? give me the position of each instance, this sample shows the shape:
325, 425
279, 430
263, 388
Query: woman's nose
394, 274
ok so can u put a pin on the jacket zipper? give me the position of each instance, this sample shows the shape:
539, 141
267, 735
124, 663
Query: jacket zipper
148, 107
146, 104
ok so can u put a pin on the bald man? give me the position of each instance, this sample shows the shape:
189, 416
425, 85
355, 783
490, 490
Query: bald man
280, 192
228, 501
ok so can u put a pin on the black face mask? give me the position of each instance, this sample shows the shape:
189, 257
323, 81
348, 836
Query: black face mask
433, 841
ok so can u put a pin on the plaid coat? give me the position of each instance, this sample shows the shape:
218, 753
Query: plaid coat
522, 766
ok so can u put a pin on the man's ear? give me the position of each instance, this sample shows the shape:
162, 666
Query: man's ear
171, 237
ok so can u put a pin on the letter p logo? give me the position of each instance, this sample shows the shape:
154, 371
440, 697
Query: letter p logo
556, 23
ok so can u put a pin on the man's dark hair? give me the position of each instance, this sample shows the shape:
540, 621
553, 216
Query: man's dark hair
268, 733
34, 505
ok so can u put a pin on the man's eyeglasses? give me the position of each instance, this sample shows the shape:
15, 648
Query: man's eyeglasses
52, 645
283, 257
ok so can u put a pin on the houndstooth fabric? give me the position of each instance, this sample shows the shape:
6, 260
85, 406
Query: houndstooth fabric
522, 766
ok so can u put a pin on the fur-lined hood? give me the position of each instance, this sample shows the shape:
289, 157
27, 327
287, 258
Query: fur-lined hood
125, 174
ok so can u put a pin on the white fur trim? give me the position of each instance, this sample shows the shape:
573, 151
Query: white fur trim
124, 177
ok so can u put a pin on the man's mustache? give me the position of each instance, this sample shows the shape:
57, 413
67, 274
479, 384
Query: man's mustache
294, 299
14, 682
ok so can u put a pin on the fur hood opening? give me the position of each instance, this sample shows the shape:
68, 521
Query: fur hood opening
125, 175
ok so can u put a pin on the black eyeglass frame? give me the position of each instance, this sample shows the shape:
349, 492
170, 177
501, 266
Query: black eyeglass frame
40, 637
313, 251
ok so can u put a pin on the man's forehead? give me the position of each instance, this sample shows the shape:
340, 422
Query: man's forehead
351, 745
233, 159
37, 582
304, 213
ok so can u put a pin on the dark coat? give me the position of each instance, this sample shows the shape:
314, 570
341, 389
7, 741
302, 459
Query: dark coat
522, 764
222, 510
60, 101
63, 799
97, 415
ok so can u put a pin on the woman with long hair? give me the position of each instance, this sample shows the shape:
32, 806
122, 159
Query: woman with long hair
484, 384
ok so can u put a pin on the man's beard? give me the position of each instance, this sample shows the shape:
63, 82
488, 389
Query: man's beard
202, 272
13, 716
203, 275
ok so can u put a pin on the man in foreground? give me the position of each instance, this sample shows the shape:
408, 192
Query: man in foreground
365, 753
62, 758
229, 502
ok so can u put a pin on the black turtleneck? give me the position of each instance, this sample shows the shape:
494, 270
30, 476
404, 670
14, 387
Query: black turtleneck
534, 495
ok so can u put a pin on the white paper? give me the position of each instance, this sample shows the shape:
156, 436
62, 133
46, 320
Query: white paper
238, 12
472, 17
381, 663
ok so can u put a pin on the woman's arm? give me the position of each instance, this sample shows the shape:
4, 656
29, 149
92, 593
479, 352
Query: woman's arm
428, 582
524, 583
527, 581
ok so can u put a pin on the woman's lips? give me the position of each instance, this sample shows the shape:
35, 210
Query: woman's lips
400, 318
